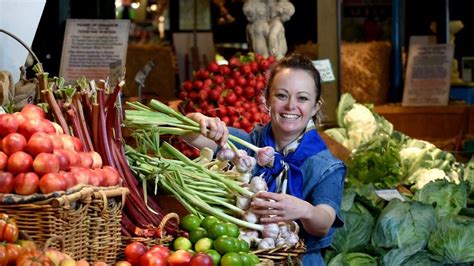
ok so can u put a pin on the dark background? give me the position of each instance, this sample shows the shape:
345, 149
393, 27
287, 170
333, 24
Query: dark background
301, 28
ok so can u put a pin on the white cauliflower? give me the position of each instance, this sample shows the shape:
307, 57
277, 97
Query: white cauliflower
423, 176
360, 125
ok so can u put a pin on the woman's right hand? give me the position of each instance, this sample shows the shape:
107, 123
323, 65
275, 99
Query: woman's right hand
211, 127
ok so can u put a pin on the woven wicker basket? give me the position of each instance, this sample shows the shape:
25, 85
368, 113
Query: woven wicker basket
64, 216
282, 255
105, 214
164, 239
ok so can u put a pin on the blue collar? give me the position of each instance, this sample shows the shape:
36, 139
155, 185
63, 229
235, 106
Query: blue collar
286, 169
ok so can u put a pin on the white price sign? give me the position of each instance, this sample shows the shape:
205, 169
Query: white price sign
389, 194
325, 70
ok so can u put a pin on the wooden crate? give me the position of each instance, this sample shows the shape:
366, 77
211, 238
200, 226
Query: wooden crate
444, 126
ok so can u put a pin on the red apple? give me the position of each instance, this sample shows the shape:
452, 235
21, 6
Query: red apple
164, 251
52, 182
6, 182
8, 124
29, 127
19, 162
96, 159
31, 111
57, 141
112, 177
38, 143
152, 259
70, 179
201, 259
63, 157
46, 163
86, 159
26, 183
3, 160
13, 142
179, 258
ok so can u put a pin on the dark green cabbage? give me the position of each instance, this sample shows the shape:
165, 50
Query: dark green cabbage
403, 223
453, 240
357, 229
353, 259
412, 255
449, 198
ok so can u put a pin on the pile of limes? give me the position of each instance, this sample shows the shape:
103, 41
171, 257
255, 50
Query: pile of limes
217, 238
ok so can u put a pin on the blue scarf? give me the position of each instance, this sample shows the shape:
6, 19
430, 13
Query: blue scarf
310, 144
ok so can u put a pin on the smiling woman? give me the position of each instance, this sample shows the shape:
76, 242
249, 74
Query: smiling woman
305, 182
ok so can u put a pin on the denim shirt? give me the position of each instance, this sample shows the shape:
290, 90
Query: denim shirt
323, 183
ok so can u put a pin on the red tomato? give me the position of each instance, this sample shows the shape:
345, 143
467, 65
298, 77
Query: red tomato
63, 158
30, 127
152, 259
134, 251
160, 249
48, 126
96, 159
57, 141
35, 258
27, 246
13, 251
3, 255
86, 159
26, 183
112, 176
8, 230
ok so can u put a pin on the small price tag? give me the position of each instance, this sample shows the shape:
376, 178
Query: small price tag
325, 70
389, 194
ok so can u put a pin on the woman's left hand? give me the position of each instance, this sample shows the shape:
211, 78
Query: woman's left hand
277, 207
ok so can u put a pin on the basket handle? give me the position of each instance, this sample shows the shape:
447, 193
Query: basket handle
164, 221
22, 43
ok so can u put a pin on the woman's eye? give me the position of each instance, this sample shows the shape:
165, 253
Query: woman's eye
303, 99
281, 96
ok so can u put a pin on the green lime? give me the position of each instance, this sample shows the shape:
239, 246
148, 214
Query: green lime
216, 257
203, 244
254, 258
197, 234
226, 244
182, 243
231, 259
244, 246
232, 229
245, 258
190, 222
208, 221
217, 230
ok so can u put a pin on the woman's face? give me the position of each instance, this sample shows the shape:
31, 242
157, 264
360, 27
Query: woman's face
292, 101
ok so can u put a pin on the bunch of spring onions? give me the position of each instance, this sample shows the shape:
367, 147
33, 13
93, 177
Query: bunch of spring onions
200, 184
205, 186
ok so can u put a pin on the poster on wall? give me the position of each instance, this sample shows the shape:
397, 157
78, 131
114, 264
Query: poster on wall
95, 49
428, 76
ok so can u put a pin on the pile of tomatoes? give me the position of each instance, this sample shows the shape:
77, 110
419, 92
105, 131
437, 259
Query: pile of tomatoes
11, 248
36, 156
233, 92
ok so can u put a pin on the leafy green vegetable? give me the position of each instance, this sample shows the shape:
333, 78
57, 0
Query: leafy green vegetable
353, 259
403, 223
376, 161
410, 255
448, 198
356, 231
453, 240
